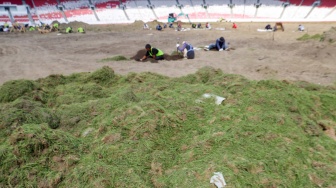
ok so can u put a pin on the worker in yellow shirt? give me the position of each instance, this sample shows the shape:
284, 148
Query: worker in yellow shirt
80, 30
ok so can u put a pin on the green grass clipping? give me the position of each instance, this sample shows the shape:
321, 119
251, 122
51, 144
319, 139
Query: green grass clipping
115, 58
100, 129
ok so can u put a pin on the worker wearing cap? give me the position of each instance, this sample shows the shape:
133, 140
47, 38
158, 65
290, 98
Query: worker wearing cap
220, 45
154, 53
187, 49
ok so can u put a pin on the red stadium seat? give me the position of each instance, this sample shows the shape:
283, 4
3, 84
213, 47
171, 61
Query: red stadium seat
13, 2
51, 16
328, 3
21, 19
77, 12
4, 18
108, 4
40, 3
30, 3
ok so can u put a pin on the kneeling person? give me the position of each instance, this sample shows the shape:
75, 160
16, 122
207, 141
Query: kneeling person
187, 49
220, 45
154, 53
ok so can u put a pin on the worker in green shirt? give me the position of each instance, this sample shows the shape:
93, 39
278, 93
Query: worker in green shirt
80, 30
68, 30
55, 26
31, 28
6, 25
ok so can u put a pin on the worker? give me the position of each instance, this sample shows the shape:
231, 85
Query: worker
31, 28
159, 27
145, 26
55, 26
187, 49
179, 26
154, 53
80, 30
220, 45
68, 30
268, 27
6, 25
207, 25
234, 26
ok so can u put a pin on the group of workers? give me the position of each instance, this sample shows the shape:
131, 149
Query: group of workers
179, 26
186, 48
275, 28
43, 28
170, 25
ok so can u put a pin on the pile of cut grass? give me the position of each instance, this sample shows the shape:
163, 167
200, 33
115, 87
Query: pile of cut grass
310, 37
149, 130
115, 58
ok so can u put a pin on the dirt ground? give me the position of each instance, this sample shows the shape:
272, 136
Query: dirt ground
257, 55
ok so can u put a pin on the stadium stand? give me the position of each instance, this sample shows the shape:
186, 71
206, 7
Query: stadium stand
217, 3
138, 10
239, 2
107, 4
163, 3
301, 12
42, 3
47, 10
77, 12
328, 3
271, 3
186, 3
35, 17
29, 3
219, 10
250, 2
21, 19
4, 18
163, 8
13, 2
308, 2
270, 12
51, 16
109, 11
250, 11
74, 4
304, 3
318, 14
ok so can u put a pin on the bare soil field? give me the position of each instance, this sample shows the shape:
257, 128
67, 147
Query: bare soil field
257, 55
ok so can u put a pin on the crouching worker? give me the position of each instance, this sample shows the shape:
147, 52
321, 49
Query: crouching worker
55, 27
187, 49
80, 30
220, 45
31, 28
268, 27
68, 30
159, 27
154, 53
